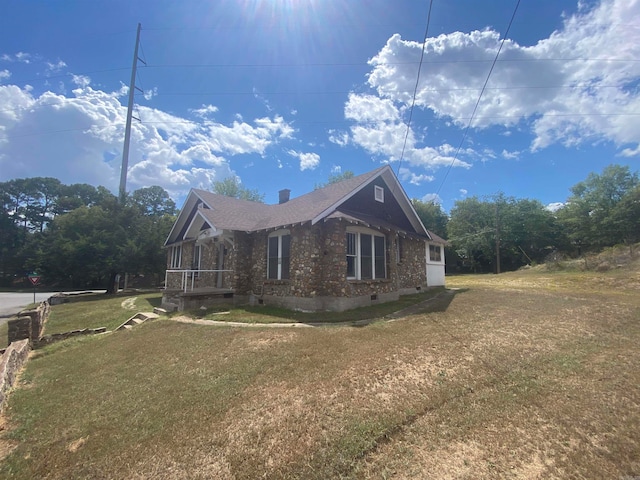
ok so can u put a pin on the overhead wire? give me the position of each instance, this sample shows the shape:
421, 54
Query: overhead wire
415, 89
475, 108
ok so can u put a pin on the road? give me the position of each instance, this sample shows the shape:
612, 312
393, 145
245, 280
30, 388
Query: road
12, 302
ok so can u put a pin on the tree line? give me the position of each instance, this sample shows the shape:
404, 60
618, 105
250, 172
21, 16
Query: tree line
483, 233
80, 236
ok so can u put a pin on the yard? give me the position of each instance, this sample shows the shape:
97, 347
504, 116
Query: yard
521, 375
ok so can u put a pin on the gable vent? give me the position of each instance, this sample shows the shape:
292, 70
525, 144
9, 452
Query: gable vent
378, 194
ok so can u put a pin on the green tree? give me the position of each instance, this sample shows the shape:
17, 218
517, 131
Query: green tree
625, 218
521, 229
154, 201
589, 214
335, 178
432, 216
471, 231
231, 187
90, 245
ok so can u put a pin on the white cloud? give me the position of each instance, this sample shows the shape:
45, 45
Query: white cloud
510, 155
55, 67
4, 74
432, 198
463, 192
149, 94
335, 169
81, 81
308, 161
630, 152
576, 86
23, 57
204, 111
555, 206
79, 139
380, 131
407, 175
339, 138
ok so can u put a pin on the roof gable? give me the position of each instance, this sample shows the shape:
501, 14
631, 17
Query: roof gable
353, 194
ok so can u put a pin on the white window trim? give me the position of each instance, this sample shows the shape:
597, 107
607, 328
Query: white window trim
279, 234
357, 231
378, 193
176, 256
441, 253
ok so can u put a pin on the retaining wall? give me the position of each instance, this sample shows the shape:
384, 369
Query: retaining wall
11, 361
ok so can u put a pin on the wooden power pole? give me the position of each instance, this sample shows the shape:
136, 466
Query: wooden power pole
127, 130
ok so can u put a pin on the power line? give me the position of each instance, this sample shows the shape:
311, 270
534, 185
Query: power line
415, 89
466, 131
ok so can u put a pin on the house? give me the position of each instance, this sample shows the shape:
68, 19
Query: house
349, 244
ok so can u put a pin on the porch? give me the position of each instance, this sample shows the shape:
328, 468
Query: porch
187, 289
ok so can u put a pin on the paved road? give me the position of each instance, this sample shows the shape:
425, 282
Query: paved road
12, 302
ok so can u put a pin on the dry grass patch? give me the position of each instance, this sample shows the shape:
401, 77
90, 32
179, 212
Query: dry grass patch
501, 382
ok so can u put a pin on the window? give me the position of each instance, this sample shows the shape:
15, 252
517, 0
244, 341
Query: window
435, 253
378, 194
400, 250
278, 255
176, 256
197, 257
365, 256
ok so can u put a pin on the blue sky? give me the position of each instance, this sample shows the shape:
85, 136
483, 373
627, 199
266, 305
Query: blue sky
283, 93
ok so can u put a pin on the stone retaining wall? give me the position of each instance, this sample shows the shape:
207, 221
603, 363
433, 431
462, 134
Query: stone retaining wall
11, 361
29, 324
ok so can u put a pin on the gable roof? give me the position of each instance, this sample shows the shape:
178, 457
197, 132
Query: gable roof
227, 213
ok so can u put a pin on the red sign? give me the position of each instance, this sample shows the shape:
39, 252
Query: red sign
34, 279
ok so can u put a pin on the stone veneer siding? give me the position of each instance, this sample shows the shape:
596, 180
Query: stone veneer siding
317, 272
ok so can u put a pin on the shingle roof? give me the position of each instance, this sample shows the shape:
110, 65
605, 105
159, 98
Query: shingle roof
233, 214
227, 213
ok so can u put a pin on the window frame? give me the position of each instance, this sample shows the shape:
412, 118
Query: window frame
435, 253
375, 254
197, 258
282, 262
378, 193
175, 258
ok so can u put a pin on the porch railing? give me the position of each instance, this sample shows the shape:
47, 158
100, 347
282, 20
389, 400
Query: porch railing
188, 279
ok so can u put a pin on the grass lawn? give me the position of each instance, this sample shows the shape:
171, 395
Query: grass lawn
99, 310
524, 375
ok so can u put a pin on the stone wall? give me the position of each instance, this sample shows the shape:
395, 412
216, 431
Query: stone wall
29, 324
318, 268
11, 361
412, 266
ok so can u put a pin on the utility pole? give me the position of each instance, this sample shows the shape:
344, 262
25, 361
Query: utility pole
127, 130
497, 239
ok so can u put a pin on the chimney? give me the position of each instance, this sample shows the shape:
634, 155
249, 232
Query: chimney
284, 195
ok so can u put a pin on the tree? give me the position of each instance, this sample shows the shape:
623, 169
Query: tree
625, 217
231, 187
154, 201
432, 216
521, 229
335, 178
588, 216
471, 231
90, 245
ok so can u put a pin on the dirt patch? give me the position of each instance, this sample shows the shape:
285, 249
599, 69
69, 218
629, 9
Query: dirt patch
129, 303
